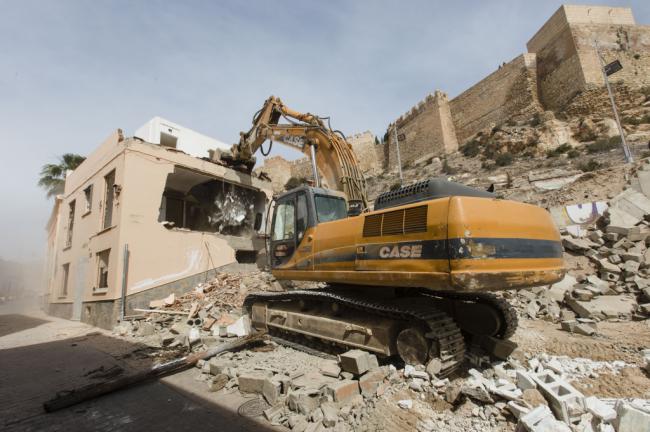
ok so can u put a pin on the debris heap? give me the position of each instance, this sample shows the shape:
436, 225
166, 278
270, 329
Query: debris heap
201, 317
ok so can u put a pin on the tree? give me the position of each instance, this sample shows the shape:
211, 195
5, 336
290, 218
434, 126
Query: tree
53, 175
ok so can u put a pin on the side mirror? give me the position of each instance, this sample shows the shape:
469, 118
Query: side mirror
258, 222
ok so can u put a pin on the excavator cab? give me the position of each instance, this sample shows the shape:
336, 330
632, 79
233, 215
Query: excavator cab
295, 212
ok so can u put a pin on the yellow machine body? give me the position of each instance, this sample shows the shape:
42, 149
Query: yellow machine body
459, 243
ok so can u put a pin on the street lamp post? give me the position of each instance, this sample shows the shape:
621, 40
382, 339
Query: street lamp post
399, 158
608, 70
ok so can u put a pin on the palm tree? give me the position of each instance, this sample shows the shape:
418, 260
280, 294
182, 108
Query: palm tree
53, 175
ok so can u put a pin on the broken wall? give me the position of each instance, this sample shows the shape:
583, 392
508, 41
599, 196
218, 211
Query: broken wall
158, 253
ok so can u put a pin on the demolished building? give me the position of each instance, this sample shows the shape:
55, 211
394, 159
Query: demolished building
143, 217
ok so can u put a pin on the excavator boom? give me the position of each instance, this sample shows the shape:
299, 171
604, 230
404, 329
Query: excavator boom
331, 154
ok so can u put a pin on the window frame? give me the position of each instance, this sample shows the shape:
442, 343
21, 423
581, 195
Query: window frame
317, 196
63, 293
292, 202
109, 197
72, 205
98, 281
88, 197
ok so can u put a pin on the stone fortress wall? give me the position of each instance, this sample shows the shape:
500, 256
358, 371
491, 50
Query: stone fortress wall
560, 65
560, 68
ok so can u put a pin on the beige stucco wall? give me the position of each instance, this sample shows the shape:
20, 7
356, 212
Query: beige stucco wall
88, 237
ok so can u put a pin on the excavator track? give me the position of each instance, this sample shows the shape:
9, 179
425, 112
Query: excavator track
441, 329
505, 310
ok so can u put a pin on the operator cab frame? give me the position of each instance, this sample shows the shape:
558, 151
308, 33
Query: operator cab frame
295, 212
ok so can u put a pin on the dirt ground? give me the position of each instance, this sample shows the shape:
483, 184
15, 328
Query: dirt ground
622, 340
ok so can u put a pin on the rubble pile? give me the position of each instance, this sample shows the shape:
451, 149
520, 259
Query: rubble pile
306, 393
613, 279
201, 317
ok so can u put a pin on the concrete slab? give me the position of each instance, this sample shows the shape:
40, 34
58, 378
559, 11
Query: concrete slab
603, 307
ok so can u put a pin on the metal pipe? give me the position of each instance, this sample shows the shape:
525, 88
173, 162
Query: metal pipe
313, 165
125, 271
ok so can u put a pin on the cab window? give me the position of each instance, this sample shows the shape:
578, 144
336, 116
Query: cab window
285, 226
301, 215
329, 208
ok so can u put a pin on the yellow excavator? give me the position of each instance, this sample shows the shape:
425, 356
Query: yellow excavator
412, 277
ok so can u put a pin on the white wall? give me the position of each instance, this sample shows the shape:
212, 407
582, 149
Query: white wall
189, 141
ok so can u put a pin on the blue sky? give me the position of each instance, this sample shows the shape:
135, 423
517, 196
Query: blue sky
72, 71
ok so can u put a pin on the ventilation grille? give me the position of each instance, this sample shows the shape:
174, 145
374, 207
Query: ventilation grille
412, 220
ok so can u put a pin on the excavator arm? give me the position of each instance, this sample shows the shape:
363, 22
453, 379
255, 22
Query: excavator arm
327, 149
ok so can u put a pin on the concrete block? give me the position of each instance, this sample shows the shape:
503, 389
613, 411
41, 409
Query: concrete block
330, 368
583, 294
218, 382
355, 361
274, 413
525, 381
541, 419
477, 392
303, 401
584, 330
516, 409
370, 381
342, 391
373, 363
252, 382
330, 414
604, 307
599, 409
632, 256
218, 365
631, 418
240, 328
577, 244
603, 286
559, 289
566, 402
610, 276
631, 267
271, 390
607, 266
615, 259
632, 203
498, 348
316, 416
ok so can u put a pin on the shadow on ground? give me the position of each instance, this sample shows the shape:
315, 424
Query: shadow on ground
33, 374
14, 323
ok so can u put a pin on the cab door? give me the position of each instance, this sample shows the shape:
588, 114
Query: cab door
291, 241
283, 232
